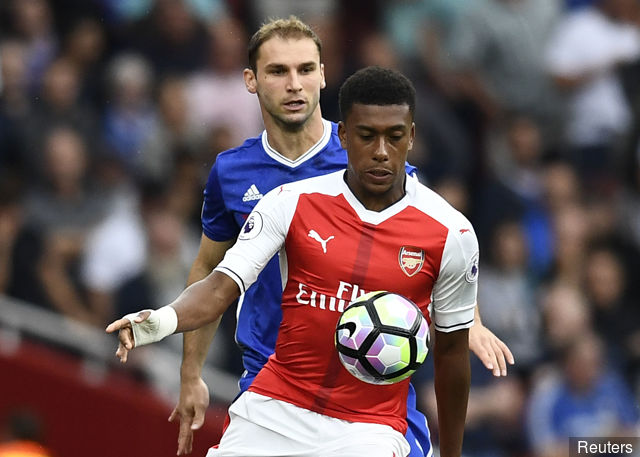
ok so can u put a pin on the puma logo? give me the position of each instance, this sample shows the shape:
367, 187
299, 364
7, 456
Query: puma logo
313, 234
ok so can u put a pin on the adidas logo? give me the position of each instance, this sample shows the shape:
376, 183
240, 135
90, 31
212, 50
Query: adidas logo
251, 194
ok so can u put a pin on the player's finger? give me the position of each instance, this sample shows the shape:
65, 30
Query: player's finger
126, 338
122, 353
198, 419
185, 446
118, 325
491, 360
185, 435
484, 356
174, 415
502, 363
507, 352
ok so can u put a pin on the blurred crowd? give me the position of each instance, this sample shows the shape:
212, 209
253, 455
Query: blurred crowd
528, 121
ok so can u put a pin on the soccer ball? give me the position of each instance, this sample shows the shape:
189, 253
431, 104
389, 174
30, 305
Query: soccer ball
382, 338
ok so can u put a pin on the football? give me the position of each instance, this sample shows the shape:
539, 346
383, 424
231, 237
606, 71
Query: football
382, 338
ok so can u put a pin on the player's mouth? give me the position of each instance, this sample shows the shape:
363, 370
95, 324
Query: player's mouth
295, 105
379, 175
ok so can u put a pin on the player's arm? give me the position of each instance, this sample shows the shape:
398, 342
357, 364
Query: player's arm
197, 342
490, 349
451, 379
194, 393
199, 304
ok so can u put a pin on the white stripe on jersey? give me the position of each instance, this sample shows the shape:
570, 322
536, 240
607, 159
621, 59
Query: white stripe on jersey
313, 150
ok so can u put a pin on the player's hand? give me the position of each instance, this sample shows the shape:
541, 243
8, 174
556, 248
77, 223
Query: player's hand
491, 351
125, 336
190, 410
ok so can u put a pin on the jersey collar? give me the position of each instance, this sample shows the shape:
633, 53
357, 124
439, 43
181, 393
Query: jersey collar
313, 150
375, 217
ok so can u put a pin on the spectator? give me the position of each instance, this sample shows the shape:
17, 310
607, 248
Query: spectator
32, 23
499, 65
58, 105
585, 398
571, 240
219, 84
494, 413
84, 48
131, 10
15, 105
20, 244
507, 298
129, 118
566, 315
562, 188
517, 179
171, 133
336, 63
64, 209
308, 11
616, 316
170, 37
455, 192
114, 252
627, 203
582, 57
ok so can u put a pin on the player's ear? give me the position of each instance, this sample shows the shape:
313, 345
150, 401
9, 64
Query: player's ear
323, 84
250, 81
342, 134
412, 136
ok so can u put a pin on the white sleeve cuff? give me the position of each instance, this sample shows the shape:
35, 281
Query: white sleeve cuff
452, 320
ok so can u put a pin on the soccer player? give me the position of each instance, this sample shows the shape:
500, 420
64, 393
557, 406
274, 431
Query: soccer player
303, 402
286, 74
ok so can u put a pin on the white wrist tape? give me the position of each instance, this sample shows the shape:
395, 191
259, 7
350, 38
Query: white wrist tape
160, 323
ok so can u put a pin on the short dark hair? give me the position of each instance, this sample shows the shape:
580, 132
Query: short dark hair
376, 86
281, 28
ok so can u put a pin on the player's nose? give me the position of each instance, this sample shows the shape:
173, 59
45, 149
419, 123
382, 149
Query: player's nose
381, 152
294, 84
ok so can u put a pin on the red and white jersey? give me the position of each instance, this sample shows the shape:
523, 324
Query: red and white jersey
332, 250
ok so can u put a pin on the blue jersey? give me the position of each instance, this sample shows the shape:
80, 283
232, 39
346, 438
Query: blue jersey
237, 181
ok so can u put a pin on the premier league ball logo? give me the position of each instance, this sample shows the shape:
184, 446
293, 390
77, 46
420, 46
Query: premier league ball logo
252, 227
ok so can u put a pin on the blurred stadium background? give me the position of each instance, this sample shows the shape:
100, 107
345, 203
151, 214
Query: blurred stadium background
113, 111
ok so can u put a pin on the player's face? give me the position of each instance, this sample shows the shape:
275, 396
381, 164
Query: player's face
288, 80
377, 140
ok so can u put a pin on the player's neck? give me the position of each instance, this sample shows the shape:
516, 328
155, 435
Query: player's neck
293, 144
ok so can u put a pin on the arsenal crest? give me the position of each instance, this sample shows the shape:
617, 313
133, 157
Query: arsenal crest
411, 259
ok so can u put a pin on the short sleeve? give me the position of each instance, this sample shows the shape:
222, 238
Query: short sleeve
218, 223
260, 238
455, 290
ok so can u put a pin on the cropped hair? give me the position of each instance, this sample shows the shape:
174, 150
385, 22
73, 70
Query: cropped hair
291, 27
376, 86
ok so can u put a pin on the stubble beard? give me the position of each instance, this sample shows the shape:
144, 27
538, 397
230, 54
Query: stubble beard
292, 125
